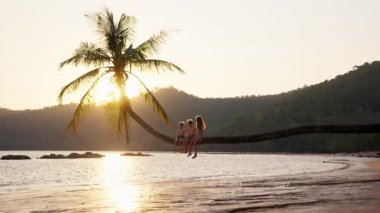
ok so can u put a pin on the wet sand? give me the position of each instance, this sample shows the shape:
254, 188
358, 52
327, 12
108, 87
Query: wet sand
353, 187
375, 165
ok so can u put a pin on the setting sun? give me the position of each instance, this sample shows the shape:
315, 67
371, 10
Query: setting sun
107, 91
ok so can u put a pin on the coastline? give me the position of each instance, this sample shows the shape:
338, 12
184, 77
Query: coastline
352, 186
357, 193
375, 165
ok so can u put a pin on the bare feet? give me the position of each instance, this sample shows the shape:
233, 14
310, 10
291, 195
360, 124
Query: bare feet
189, 154
194, 156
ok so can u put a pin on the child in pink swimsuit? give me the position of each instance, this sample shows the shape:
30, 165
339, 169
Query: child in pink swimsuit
190, 134
200, 127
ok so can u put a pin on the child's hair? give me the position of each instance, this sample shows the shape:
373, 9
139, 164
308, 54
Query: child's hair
181, 123
189, 121
200, 123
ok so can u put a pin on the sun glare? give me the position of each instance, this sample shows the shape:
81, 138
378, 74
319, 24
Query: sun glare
120, 193
133, 88
106, 91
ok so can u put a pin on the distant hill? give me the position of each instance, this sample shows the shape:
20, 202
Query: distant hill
352, 98
347, 99
45, 128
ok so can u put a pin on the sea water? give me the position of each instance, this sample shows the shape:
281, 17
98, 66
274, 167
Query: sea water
134, 183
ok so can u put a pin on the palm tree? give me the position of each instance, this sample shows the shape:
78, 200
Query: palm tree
117, 58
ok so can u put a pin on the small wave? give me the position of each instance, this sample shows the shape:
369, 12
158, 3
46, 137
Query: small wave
332, 182
50, 210
345, 164
275, 206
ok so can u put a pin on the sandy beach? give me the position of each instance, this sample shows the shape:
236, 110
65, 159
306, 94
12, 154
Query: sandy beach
355, 187
375, 165
352, 186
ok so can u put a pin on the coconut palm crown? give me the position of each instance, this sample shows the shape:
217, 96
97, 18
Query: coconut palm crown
116, 57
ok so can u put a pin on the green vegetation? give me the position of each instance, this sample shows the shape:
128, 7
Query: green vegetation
116, 59
352, 98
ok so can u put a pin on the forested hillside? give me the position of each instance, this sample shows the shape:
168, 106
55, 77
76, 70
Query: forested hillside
352, 98
45, 128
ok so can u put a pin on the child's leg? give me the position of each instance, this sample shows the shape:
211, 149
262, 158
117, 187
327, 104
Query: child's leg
183, 145
191, 144
175, 144
188, 148
195, 147
185, 141
188, 145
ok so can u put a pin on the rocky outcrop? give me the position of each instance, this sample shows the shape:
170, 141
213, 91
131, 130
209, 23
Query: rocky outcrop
135, 154
73, 155
15, 157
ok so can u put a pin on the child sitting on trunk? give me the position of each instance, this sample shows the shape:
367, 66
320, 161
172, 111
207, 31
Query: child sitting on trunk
200, 128
180, 137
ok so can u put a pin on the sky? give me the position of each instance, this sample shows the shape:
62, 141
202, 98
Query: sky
227, 48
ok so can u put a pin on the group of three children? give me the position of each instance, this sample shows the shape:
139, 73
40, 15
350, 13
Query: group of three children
187, 139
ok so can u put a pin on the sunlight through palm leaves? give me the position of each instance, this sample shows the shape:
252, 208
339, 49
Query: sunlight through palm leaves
116, 58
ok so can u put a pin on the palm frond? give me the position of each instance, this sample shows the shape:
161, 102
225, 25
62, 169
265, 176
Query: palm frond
87, 54
117, 115
77, 83
132, 54
152, 100
104, 22
84, 106
114, 34
153, 44
125, 27
155, 64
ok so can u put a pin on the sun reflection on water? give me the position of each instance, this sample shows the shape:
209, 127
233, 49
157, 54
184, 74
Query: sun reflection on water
119, 191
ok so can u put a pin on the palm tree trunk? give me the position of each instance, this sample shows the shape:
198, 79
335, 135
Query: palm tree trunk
301, 130
150, 129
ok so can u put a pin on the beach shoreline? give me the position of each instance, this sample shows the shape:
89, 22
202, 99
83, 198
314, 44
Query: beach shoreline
375, 165
358, 194
351, 185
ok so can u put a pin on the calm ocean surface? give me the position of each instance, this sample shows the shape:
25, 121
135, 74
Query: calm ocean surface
45, 173
119, 179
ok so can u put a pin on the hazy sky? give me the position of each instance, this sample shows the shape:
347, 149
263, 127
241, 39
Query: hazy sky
227, 48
